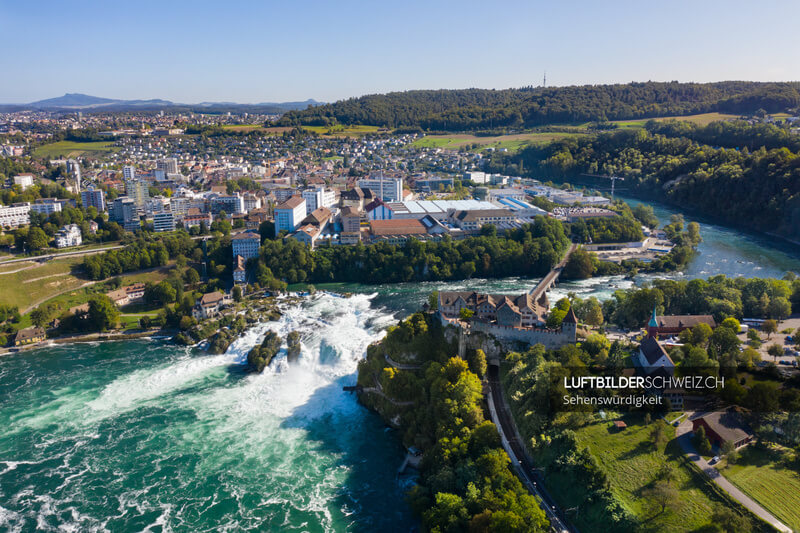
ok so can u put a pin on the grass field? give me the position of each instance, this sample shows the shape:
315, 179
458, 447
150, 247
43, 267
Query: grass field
776, 486
701, 119
342, 131
510, 142
73, 149
242, 127
40, 281
632, 466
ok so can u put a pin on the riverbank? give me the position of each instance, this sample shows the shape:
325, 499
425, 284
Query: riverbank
653, 198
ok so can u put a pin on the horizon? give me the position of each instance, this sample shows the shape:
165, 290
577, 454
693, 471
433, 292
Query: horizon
320, 102
192, 53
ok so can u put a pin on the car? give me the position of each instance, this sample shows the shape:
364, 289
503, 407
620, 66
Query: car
783, 362
788, 338
714, 460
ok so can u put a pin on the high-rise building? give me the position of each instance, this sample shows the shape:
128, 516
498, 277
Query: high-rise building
318, 197
387, 189
289, 214
93, 197
138, 191
74, 168
163, 221
123, 211
128, 173
169, 165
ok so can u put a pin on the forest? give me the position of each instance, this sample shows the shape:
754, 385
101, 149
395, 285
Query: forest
728, 184
487, 109
466, 483
528, 251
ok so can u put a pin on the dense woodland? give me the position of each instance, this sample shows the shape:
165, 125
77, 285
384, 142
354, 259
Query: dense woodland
485, 109
529, 251
761, 187
466, 483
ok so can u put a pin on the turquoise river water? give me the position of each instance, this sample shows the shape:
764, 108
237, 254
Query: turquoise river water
147, 436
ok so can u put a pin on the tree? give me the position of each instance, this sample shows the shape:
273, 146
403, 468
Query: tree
728, 450
164, 292
237, 293
580, 265
191, 276
433, 300
45, 313
779, 308
769, 327
775, 350
477, 362
37, 239
465, 314
103, 314
731, 323
701, 442
594, 312
664, 494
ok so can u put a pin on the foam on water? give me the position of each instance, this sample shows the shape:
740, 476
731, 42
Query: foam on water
190, 442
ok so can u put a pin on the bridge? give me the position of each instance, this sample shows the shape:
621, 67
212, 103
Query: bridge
551, 278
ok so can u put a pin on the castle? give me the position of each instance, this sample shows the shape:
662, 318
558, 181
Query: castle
514, 318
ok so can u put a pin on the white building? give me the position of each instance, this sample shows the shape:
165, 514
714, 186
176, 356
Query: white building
477, 177
129, 173
163, 222
251, 201
318, 197
23, 180
289, 214
46, 206
15, 215
246, 244
388, 189
69, 235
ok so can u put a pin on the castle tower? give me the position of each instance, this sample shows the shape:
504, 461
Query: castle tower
570, 325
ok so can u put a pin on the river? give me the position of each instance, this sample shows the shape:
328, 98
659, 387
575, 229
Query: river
148, 436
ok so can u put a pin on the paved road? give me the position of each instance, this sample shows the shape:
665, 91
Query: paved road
61, 254
684, 434
524, 468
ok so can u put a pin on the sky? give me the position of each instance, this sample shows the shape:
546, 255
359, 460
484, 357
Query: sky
274, 51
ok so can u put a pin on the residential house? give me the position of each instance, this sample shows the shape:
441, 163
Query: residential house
208, 305
29, 336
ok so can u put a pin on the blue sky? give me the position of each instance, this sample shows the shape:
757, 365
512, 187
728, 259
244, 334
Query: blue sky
261, 51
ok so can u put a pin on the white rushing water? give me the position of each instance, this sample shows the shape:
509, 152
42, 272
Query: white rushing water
166, 439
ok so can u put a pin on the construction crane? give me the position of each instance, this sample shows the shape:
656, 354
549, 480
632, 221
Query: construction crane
612, 178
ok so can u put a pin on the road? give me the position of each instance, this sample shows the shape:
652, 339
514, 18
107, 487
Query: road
684, 435
524, 468
58, 255
78, 253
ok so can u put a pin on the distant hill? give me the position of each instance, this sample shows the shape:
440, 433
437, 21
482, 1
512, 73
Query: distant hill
85, 102
487, 109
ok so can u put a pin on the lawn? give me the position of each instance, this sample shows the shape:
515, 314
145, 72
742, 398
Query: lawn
39, 282
73, 149
762, 475
632, 465
512, 143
